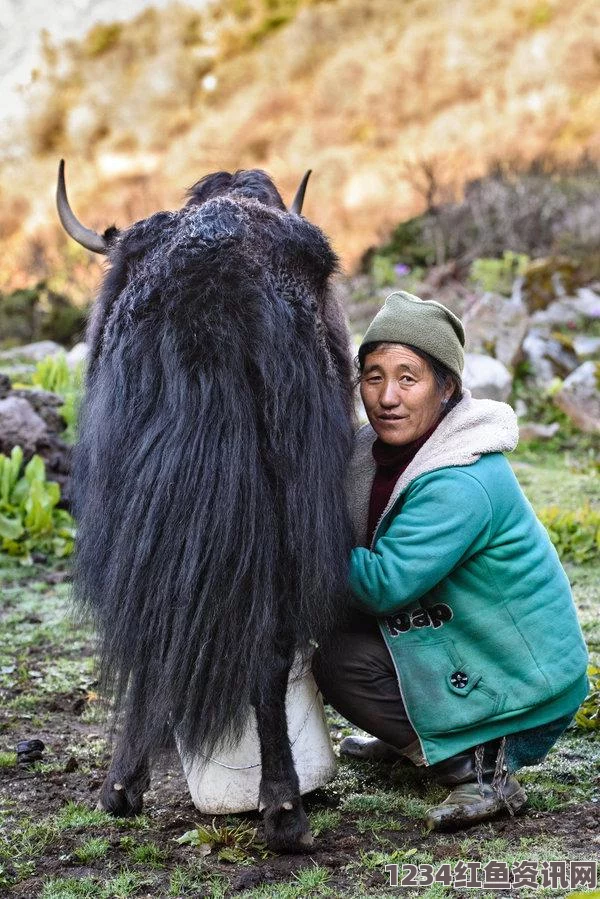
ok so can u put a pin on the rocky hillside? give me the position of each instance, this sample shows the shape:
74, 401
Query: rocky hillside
393, 104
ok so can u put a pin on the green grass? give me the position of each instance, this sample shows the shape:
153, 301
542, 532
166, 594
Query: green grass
74, 815
377, 808
313, 879
374, 826
92, 849
149, 854
323, 821
187, 879
307, 881
383, 803
70, 888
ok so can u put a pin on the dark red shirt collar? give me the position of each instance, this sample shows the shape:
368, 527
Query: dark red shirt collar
391, 462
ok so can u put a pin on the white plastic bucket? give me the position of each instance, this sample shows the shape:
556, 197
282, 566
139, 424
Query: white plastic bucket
229, 780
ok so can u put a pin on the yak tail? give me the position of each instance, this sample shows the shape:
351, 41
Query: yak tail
209, 497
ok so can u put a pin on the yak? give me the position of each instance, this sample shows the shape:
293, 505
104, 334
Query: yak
214, 435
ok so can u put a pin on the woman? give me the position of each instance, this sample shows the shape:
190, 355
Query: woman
464, 652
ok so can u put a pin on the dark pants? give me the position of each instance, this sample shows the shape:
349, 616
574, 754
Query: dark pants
357, 677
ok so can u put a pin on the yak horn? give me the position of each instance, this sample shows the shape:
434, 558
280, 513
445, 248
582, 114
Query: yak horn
85, 236
299, 198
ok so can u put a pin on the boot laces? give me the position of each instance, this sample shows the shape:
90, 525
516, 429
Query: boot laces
500, 776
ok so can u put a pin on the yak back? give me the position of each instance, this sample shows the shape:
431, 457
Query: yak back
214, 438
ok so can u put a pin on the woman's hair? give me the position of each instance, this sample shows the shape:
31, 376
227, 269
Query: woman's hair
441, 373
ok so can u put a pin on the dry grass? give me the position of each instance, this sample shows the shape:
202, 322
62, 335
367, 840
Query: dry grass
363, 91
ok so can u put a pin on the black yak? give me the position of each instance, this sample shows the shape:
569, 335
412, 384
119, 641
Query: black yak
213, 535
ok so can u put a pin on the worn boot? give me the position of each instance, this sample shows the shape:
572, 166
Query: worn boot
482, 789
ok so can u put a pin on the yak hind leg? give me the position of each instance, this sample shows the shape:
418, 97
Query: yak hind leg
128, 778
285, 823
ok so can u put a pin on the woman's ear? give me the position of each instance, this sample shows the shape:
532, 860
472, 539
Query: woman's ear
448, 392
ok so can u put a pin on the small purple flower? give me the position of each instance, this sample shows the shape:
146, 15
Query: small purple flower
401, 269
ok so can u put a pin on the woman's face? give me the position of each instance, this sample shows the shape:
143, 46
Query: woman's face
399, 393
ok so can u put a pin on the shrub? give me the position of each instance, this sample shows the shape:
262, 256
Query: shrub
29, 518
102, 37
576, 535
498, 275
53, 374
39, 313
541, 209
588, 716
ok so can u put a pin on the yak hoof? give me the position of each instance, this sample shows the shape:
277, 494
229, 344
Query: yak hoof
286, 827
120, 801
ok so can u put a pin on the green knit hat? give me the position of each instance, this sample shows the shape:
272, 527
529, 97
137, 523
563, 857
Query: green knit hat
424, 324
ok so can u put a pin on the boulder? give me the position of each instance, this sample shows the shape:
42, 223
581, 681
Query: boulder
587, 303
545, 280
548, 357
569, 311
29, 419
5, 386
46, 405
78, 354
486, 377
20, 425
579, 397
31, 352
496, 325
560, 314
530, 430
586, 347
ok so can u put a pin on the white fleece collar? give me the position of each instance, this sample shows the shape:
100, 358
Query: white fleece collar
470, 430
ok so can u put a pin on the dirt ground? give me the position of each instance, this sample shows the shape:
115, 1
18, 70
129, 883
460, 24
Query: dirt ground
55, 846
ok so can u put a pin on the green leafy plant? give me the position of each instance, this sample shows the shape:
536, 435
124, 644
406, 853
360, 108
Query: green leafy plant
588, 716
29, 519
498, 274
53, 374
576, 534
233, 843
382, 271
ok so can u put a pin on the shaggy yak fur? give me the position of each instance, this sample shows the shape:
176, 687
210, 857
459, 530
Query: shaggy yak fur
212, 531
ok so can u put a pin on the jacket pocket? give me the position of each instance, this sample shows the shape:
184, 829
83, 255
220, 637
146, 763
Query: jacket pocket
442, 691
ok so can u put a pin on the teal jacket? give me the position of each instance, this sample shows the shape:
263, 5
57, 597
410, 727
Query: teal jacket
471, 598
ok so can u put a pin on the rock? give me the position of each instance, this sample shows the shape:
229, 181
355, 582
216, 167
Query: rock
521, 408
29, 419
46, 405
587, 303
78, 354
30, 751
569, 311
545, 280
20, 425
548, 357
5, 386
561, 355
496, 325
585, 347
579, 397
529, 430
561, 313
439, 275
31, 352
486, 377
